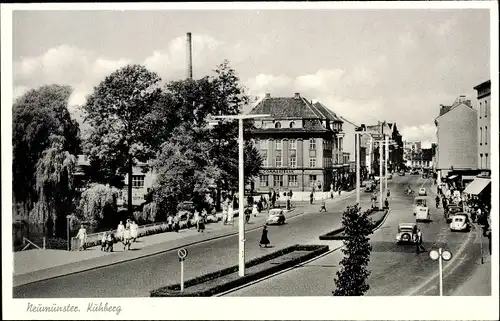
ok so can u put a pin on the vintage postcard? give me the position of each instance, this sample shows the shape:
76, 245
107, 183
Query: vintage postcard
291, 160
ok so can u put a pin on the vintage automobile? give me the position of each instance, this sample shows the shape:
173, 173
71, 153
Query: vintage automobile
414, 171
401, 173
420, 209
460, 222
406, 233
276, 216
422, 191
370, 188
452, 210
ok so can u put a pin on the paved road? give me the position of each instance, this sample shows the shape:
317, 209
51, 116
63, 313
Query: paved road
395, 270
136, 278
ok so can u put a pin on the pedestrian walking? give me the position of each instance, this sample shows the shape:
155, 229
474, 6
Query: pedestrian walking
119, 230
134, 231
388, 193
127, 240
323, 206
264, 240
176, 224
110, 241
255, 210
104, 239
170, 222
419, 242
311, 197
386, 202
82, 237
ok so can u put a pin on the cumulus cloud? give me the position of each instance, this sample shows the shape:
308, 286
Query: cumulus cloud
425, 133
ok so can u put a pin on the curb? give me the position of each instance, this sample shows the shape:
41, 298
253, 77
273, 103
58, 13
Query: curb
97, 266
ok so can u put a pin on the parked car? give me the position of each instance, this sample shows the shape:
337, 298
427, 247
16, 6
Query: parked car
452, 210
370, 188
422, 191
460, 222
276, 216
406, 233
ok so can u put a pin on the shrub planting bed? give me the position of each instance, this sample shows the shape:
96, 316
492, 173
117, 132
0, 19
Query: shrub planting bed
338, 234
227, 279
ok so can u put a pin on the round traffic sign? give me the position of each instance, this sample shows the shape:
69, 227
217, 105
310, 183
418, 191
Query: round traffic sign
434, 254
182, 253
446, 255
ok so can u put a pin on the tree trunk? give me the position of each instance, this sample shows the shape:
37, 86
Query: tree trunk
217, 198
129, 189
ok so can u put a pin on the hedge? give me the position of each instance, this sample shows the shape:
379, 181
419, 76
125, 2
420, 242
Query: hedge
337, 234
225, 285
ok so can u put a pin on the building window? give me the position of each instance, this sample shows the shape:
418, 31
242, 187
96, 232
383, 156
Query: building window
278, 180
312, 180
481, 160
312, 144
137, 180
279, 158
292, 180
312, 162
486, 161
292, 124
480, 109
278, 144
341, 143
264, 180
292, 144
485, 108
263, 143
293, 159
263, 153
486, 135
277, 125
480, 135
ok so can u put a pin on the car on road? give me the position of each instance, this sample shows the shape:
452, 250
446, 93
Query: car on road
414, 172
406, 233
460, 222
420, 209
401, 173
452, 210
422, 191
276, 217
370, 188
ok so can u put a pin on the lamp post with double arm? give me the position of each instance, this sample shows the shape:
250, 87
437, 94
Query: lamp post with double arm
241, 183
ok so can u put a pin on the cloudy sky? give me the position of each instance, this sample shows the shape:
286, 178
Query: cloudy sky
366, 65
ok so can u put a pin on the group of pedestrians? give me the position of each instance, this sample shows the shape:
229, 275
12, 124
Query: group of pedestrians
127, 234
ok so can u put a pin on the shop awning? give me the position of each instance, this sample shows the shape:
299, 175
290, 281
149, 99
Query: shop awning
468, 178
477, 186
452, 177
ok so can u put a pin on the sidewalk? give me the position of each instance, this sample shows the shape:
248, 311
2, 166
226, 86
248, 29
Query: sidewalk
479, 284
36, 265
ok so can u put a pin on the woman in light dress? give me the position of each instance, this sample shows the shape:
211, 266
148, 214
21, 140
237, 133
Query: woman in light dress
82, 237
134, 231
230, 212
255, 210
224, 213
119, 231
127, 241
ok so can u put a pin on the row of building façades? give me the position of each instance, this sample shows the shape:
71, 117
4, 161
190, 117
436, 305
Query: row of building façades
305, 147
463, 157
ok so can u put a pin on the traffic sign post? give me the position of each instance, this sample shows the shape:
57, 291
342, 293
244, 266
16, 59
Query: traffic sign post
182, 253
440, 255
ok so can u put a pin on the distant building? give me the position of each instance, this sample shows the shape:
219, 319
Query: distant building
142, 181
456, 138
301, 144
484, 125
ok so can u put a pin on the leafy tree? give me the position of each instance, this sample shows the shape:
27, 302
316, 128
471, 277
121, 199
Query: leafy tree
123, 127
97, 202
54, 184
351, 278
38, 114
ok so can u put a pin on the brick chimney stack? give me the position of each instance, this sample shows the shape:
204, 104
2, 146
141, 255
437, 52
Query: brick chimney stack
297, 95
268, 95
189, 57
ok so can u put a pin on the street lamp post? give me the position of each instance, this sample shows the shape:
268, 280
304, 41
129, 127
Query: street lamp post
357, 142
440, 255
386, 159
380, 154
241, 189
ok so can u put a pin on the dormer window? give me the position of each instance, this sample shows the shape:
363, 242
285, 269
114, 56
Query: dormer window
277, 125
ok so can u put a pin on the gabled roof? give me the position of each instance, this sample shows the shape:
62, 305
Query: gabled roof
286, 107
330, 115
446, 109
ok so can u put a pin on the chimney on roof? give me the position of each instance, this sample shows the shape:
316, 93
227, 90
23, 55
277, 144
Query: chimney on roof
297, 95
268, 95
189, 56
468, 103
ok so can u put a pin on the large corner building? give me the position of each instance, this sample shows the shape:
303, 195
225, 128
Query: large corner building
301, 144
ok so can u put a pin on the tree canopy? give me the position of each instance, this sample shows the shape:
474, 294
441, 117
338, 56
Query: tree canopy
37, 115
123, 127
353, 274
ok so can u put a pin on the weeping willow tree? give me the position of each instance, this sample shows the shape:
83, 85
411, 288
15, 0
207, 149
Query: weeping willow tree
54, 186
148, 214
97, 202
